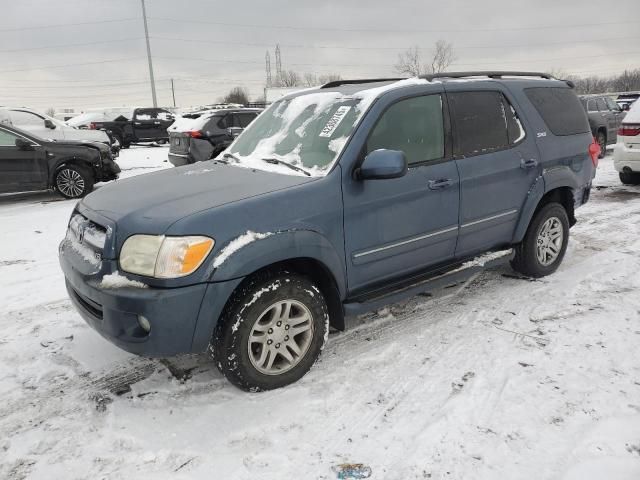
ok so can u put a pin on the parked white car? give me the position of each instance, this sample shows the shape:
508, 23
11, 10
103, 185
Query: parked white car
47, 127
626, 156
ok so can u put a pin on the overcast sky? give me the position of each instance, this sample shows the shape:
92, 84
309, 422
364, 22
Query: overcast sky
55, 55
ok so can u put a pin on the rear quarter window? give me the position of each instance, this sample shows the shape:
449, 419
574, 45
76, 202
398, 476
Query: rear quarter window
560, 109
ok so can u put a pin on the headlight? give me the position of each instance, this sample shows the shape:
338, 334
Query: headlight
164, 257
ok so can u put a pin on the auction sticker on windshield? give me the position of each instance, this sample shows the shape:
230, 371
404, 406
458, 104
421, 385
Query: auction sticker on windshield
334, 121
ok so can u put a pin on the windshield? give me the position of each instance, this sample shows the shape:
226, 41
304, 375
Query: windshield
307, 131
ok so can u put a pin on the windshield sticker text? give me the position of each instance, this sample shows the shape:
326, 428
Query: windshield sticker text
334, 121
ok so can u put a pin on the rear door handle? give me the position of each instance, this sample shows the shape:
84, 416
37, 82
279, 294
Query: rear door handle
440, 184
526, 164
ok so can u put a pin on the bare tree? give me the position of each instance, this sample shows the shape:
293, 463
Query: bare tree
628, 80
443, 56
50, 111
410, 62
289, 78
329, 77
237, 95
312, 80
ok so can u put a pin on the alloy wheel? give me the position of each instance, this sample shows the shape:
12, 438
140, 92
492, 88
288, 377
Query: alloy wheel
70, 183
549, 241
280, 337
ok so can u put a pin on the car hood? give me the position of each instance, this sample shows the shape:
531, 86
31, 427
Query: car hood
90, 135
151, 203
79, 143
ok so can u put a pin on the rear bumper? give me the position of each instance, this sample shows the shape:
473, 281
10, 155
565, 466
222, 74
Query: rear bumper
625, 157
179, 159
182, 319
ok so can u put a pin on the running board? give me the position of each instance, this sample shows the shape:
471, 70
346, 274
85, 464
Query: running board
462, 273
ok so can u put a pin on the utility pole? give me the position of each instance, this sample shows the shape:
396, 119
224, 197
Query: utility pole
173, 93
146, 35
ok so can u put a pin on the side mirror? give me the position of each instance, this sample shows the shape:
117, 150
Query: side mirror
23, 144
49, 124
382, 164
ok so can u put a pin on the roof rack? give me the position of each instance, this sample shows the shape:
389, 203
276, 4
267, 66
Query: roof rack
337, 83
485, 73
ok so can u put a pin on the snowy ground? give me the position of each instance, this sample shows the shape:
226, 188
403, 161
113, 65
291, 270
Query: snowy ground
501, 378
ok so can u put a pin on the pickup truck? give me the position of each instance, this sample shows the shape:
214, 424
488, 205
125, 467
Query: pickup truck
141, 125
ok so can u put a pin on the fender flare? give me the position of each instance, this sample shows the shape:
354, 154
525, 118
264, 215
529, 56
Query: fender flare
279, 247
550, 179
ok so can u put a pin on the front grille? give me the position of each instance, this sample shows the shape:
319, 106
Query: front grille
87, 233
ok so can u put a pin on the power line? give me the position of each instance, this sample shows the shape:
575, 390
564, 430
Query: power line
40, 27
68, 45
378, 30
342, 47
46, 67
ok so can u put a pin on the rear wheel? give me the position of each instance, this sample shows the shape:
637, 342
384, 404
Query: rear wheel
541, 251
601, 138
630, 178
272, 331
72, 181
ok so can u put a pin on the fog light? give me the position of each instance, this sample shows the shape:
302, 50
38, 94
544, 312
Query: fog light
144, 323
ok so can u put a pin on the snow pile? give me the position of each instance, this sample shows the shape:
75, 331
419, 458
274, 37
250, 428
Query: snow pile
236, 244
482, 260
116, 280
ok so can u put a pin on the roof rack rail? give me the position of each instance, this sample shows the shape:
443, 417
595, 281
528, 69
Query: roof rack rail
485, 73
337, 83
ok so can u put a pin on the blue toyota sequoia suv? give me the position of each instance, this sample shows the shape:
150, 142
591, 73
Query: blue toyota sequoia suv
334, 201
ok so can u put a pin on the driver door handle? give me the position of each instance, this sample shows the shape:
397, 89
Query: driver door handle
440, 183
526, 164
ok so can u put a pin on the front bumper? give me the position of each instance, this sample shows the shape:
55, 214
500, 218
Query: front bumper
182, 319
625, 157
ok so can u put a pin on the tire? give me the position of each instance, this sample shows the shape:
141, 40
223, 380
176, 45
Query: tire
72, 181
162, 141
601, 138
535, 261
630, 178
258, 310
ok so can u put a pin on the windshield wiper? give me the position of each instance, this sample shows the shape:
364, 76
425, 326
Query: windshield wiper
230, 155
276, 161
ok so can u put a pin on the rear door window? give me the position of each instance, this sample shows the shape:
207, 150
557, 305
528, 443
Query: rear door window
602, 106
244, 119
560, 109
482, 121
592, 106
225, 122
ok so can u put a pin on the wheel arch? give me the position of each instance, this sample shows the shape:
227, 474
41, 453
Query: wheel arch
559, 189
303, 251
76, 162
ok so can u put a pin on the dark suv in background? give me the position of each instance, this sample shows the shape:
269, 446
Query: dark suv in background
335, 201
203, 135
605, 117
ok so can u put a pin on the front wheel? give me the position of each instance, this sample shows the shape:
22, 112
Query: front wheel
73, 182
272, 331
541, 251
